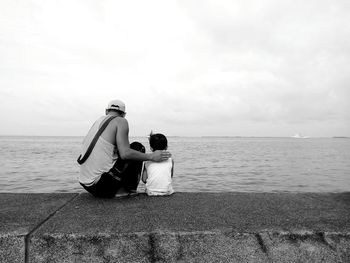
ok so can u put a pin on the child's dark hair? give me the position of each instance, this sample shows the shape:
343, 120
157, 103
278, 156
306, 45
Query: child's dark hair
120, 163
158, 141
137, 146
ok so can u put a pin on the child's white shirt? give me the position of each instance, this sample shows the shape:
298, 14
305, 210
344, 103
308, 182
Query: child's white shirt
159, 181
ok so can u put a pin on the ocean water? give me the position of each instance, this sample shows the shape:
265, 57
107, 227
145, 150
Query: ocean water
205, 164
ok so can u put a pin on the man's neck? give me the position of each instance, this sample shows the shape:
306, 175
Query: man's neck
113, 113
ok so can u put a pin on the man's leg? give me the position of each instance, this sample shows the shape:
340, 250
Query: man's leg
106, 187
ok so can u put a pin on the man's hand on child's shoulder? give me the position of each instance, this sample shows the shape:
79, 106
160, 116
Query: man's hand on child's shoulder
159, 156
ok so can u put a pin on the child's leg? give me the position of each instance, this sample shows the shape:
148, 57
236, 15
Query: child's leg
131, 176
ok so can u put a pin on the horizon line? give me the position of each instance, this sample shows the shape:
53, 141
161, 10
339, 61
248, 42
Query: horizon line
189, 136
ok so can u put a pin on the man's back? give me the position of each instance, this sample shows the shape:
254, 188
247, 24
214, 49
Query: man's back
109, 134
103, 155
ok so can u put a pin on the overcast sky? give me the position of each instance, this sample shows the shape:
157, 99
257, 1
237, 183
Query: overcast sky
193, 68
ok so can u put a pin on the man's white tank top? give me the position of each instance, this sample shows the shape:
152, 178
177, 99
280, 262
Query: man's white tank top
101, 159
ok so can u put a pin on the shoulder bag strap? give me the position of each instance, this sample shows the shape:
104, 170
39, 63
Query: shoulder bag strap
80, 159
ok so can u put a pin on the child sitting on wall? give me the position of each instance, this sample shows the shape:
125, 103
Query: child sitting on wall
158, 175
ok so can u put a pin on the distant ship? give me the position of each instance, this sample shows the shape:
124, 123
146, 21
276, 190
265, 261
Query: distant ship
298, 136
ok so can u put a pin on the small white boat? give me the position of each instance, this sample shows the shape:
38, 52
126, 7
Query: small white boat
299, 136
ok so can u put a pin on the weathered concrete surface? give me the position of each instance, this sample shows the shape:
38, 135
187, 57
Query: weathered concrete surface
303, 247
19, 215
185, 227
239, 212
198, 227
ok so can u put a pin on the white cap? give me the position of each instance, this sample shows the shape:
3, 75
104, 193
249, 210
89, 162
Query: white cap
116, 105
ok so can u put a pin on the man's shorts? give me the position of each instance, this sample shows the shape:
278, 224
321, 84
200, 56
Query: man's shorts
108, 184
106, 187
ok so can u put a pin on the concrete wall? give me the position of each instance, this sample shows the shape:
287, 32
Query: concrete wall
185, 227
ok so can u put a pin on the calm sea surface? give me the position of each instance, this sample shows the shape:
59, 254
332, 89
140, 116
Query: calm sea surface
206, 164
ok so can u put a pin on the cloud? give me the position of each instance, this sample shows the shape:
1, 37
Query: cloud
177, 64
283, 53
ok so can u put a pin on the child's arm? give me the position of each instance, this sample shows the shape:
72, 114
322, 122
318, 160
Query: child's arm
172, 168
144, 173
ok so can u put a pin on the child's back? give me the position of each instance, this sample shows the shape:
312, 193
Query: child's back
158, 175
